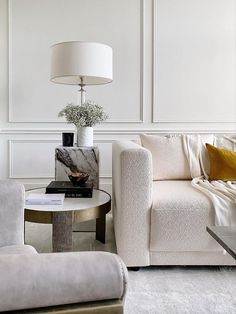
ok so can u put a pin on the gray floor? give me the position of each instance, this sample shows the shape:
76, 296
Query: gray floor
162, 290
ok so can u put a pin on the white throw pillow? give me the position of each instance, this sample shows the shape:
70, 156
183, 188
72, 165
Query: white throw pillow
168, 157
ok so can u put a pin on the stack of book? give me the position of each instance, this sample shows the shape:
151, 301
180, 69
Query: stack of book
70, 190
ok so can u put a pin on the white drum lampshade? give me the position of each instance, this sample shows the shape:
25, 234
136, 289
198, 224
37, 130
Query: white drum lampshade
81, 63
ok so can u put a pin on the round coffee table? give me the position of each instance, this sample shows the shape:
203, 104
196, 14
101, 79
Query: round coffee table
73, 210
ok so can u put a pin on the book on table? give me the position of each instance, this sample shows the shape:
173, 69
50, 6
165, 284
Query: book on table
44, 199
70, 190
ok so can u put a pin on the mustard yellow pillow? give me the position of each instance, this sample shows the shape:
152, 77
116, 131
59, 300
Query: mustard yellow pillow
222, 163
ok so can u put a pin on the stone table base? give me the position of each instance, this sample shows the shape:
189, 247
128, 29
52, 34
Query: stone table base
62, 231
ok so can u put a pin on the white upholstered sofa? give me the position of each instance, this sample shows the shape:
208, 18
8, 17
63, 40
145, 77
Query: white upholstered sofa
161, 221
75, 282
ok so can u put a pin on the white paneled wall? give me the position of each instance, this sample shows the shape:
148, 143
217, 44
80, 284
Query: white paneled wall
31, 158
44, 23
194, 61
174, 71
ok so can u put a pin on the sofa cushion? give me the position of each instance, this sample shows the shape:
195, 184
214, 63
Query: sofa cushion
168, 157
222, 163
179, 216
228, 142
17, 249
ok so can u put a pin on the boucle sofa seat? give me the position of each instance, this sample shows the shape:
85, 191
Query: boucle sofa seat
179, 217
159, 217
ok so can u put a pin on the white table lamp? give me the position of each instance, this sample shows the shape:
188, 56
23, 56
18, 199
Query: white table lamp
81, 63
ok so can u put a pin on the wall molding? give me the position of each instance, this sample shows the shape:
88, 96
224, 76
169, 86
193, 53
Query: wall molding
55, 121
26, 141
107, 132
155, 84
11, 156
105, 175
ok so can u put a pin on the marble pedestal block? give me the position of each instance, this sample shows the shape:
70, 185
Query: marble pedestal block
78, 159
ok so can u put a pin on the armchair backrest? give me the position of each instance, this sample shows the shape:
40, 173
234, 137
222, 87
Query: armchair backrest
11, 213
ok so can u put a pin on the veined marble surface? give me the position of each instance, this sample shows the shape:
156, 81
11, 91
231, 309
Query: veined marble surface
77, 159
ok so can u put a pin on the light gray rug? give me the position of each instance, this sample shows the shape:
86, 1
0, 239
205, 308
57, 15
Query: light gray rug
179, 290
158, 290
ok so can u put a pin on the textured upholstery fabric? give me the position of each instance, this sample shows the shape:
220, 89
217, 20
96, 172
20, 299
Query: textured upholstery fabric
132, 199
17, 249
173, 231
208, 138
29, 280
168, 157
224, 142
179, 216
11, 213
40, 280
191, 258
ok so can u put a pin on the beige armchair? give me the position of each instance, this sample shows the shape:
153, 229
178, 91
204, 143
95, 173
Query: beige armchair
83, 282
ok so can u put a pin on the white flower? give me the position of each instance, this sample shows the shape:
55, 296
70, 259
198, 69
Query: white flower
87, 114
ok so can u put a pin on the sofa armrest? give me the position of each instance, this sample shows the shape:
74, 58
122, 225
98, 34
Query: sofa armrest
40, 280
12, 196
132, 199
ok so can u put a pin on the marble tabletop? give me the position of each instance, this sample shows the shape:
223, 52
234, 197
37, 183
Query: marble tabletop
70, 203
73, 210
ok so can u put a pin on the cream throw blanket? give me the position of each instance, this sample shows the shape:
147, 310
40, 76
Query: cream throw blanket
222, 194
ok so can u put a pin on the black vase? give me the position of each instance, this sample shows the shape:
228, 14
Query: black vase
67, 139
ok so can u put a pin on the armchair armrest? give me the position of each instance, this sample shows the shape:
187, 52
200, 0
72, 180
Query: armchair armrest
132, 199
12, 196
41, 280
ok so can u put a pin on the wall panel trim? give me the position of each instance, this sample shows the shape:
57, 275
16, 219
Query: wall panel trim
25, 141
107, 132
11, 156
56, 121
155, 83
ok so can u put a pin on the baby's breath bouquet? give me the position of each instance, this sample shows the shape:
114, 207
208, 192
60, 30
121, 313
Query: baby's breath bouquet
87, 114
